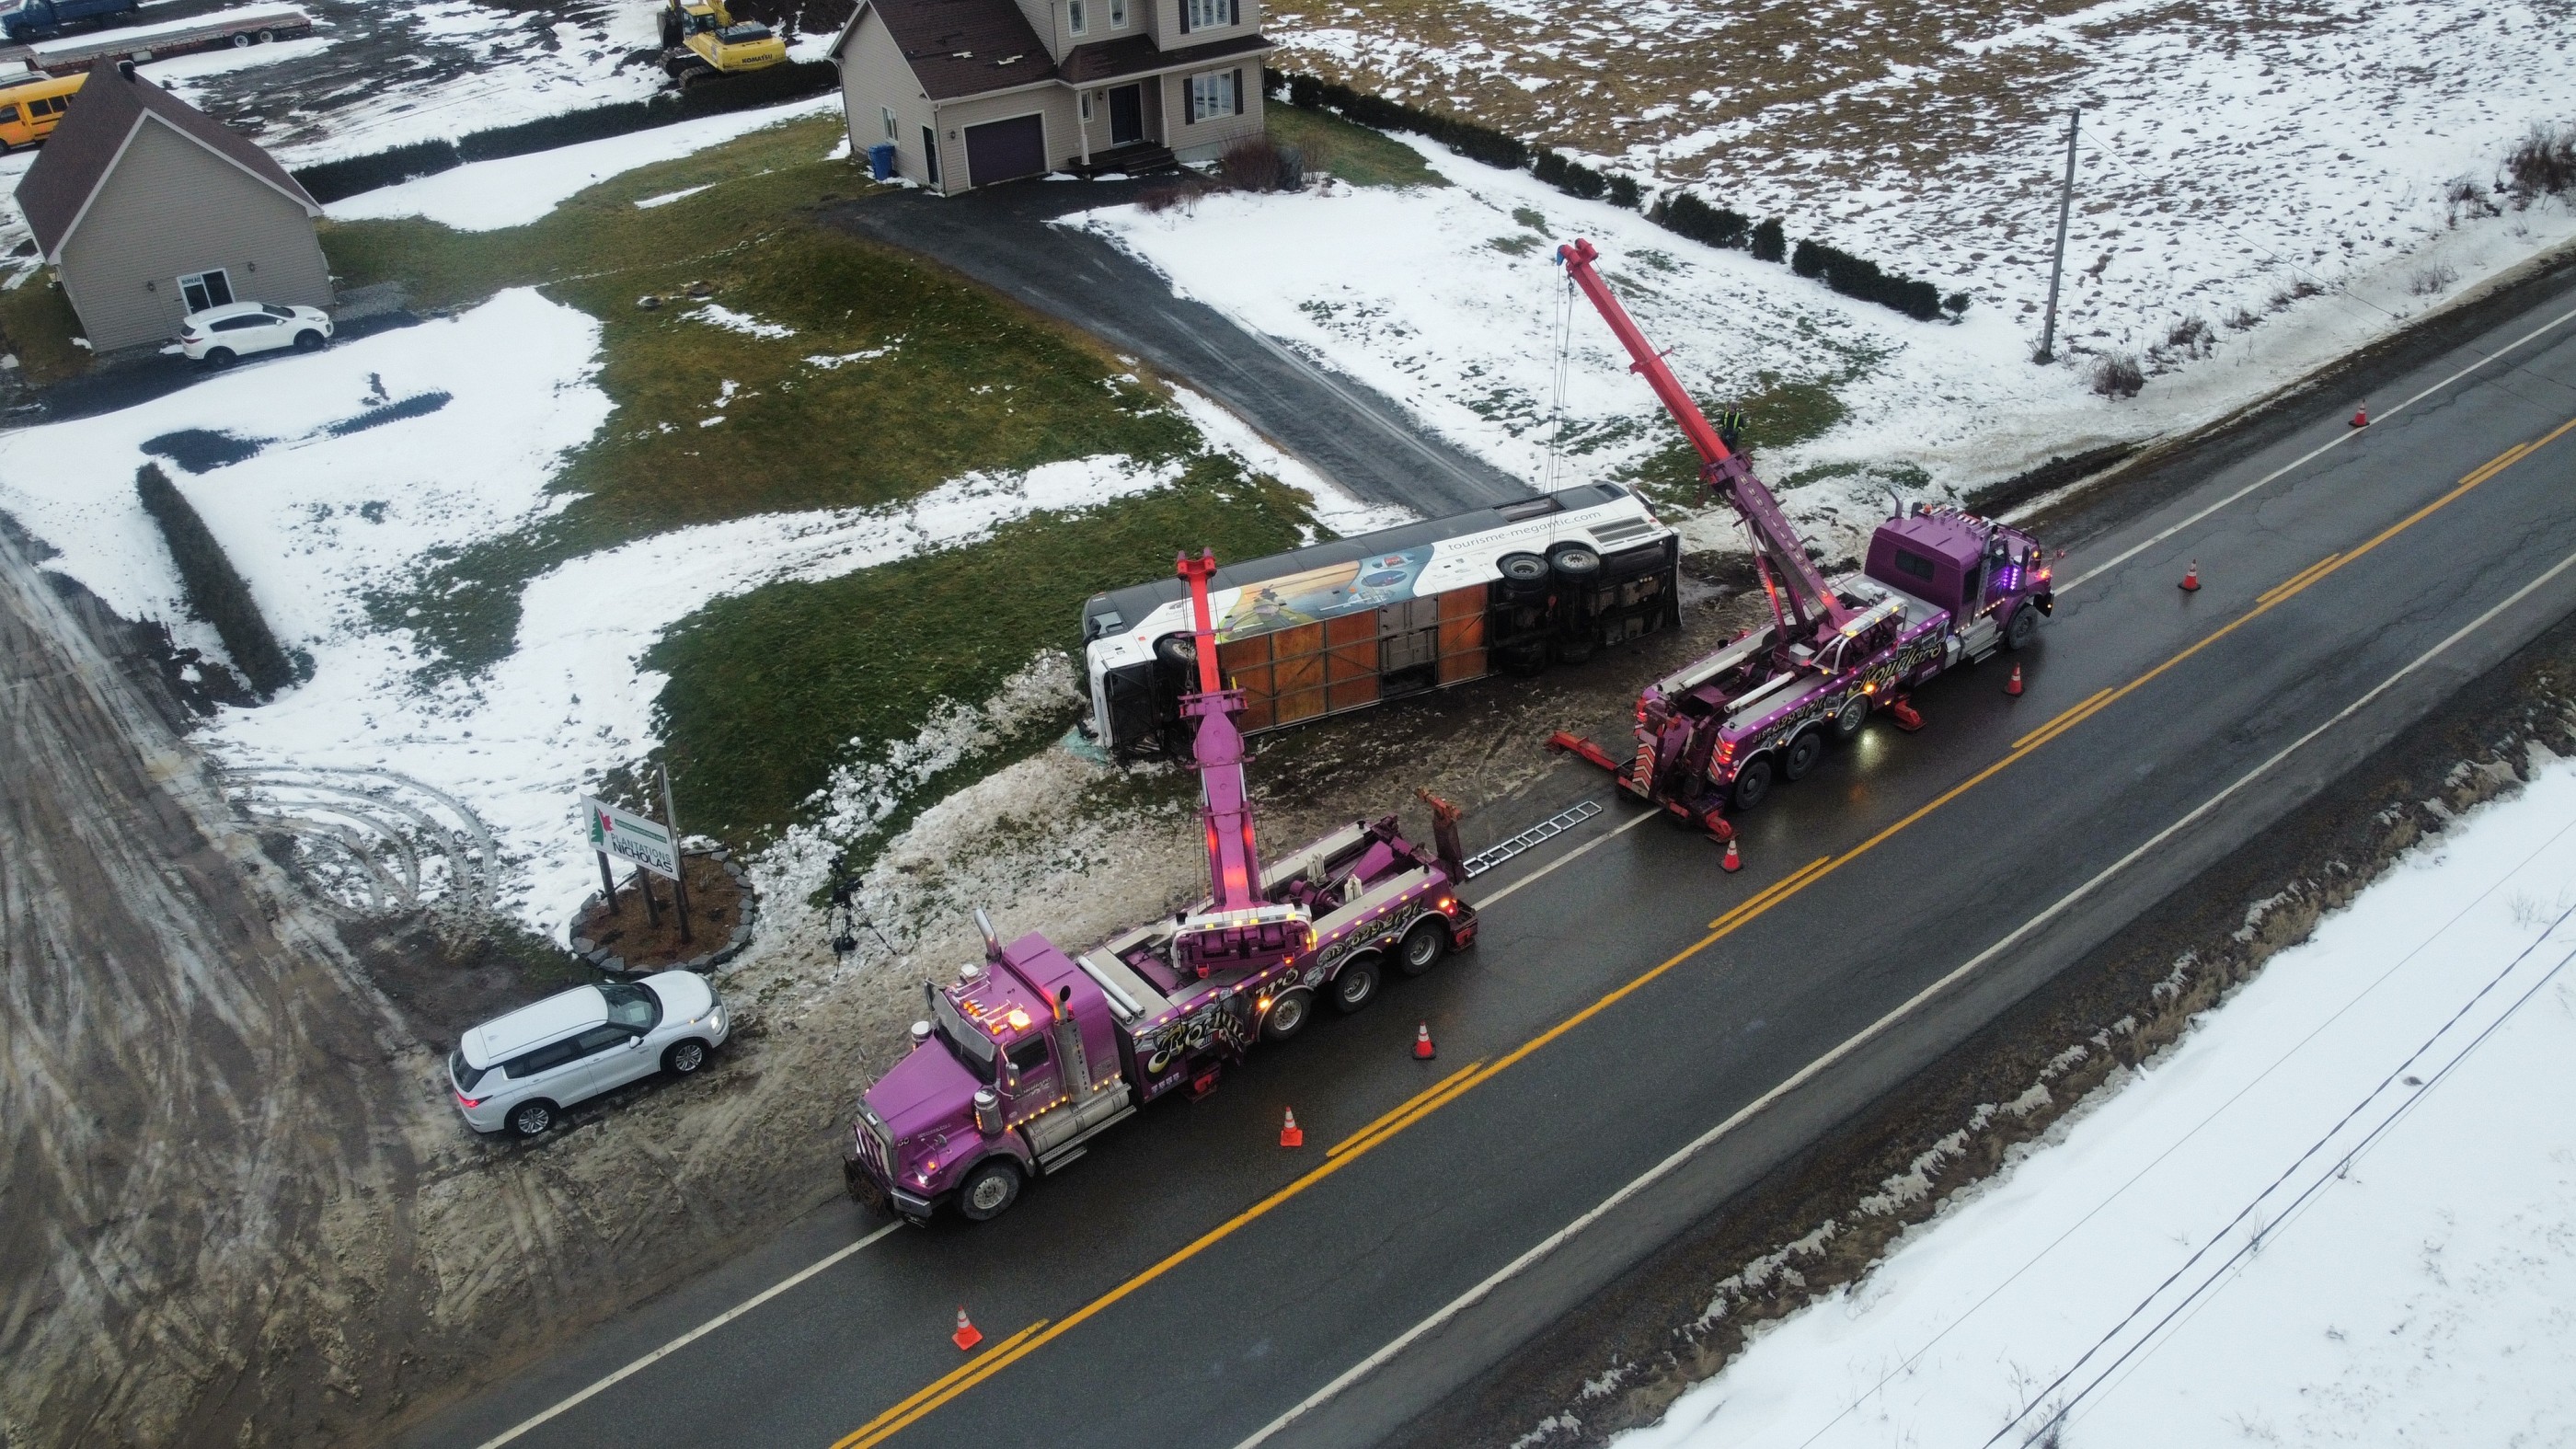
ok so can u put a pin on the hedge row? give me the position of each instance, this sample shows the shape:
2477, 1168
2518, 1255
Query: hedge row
332, 180
1862, 278
1675, 211
214, 590
1476, 143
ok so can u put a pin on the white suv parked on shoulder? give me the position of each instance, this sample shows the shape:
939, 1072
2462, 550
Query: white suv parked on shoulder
522, 1070
219, 335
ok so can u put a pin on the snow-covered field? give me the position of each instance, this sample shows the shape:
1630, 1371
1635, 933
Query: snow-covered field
317, 520
1448, 300
2342, 1210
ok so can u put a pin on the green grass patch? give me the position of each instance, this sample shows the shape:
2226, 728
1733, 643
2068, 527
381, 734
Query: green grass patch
772, 689
1781, 413
1356, 154
960, 379
37, 326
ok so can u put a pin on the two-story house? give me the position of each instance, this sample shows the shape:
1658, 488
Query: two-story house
971, 92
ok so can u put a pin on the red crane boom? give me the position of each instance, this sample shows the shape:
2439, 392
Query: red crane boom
1777, 550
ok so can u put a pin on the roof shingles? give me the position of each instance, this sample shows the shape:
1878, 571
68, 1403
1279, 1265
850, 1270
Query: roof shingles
960, 48
81, 150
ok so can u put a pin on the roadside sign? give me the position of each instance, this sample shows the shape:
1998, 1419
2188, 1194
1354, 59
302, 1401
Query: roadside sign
633, 837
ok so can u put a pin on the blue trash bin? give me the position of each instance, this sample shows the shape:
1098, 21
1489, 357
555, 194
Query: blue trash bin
881, 160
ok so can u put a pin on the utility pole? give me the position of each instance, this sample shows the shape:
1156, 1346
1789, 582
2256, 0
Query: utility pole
2057, 269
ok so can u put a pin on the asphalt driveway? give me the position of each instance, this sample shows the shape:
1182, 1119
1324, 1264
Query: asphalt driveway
1352, 435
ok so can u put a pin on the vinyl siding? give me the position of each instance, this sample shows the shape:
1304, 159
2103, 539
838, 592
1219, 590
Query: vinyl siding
169, 207
1055, 102
1206, 140
873, 76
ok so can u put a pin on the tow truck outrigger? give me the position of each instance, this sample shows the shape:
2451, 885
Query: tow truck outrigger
1031, 1052
1939, 586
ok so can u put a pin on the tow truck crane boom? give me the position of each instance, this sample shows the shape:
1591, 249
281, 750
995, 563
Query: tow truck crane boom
1777, 551
1239, 927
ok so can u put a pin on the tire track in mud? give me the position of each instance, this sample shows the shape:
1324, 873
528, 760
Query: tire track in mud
181, 1054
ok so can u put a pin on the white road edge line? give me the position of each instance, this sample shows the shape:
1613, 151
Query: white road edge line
2095, 572
690, 1337
1571, 856
1813, 1069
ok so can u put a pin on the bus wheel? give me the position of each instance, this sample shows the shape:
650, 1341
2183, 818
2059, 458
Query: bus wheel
1804, 751
1355, 985
1752, 783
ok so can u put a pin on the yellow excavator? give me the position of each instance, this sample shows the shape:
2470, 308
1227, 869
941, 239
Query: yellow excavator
701, 41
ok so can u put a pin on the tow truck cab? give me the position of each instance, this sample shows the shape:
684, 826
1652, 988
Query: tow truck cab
1979, 571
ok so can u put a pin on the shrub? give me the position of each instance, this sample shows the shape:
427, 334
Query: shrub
2466, 195
1161, 199
2117, 375
1257, 163
1569, 175
2431, 280
215, 591
1956, 304
1684, 214
2542, 163
1864, 279
1770, 241
1475, 142
1623, 191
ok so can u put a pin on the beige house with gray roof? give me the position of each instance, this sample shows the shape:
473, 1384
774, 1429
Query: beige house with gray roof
150, 209
973, 92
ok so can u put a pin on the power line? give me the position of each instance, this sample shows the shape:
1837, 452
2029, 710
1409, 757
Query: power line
2144, 1304
1905, 1365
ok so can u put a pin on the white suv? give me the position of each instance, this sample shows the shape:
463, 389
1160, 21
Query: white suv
221, 334
522, 1070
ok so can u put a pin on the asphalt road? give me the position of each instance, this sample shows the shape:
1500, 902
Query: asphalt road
1003, 237
1618, 1065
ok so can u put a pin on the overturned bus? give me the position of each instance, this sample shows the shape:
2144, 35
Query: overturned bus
1356, 621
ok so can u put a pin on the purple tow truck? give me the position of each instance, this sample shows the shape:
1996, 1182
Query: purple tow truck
1031, 1052
1940, 587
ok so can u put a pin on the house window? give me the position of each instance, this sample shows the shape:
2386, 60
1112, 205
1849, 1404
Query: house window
888, 113
1210, 14
1086, 105
1215, 94
1117, 14
1078, 16
202, 290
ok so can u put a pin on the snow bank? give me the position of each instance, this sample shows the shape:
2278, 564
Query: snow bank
318, 520
2418, 1295
516, 190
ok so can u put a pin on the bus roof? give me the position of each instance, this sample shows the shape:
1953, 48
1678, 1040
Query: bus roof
1134, 602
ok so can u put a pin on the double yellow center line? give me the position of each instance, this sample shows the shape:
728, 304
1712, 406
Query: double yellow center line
1351, 1149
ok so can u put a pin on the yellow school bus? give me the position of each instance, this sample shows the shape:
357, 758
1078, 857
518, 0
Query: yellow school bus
29, 112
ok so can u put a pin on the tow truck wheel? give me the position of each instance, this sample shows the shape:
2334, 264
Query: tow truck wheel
1423, 947
1355, 986
1849, 718
1753, 782
1288, 1013
990, 1189
1804, 751
2024, 626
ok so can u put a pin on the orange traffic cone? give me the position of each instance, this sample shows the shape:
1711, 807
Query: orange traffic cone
1733, 861
2012, 686
1292, 1135
966, 1336
2191, 578
2361, 417
1422, 1048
